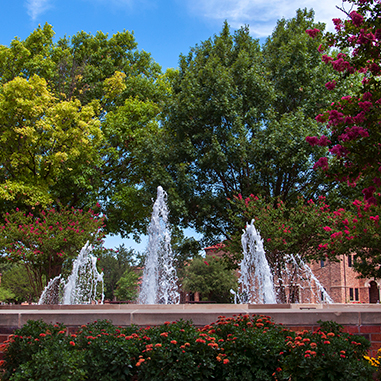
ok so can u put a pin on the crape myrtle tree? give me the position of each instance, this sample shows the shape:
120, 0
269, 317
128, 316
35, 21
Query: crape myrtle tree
297, 229
237, 119
46, 243
75, 115
352, 131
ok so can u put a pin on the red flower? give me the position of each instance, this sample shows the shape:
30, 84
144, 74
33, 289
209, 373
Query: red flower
72, 343
206, 263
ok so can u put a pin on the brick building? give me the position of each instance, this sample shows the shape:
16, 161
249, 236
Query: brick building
338, 279
342, 283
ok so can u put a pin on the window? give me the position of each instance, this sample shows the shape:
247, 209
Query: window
354, 294
350, 259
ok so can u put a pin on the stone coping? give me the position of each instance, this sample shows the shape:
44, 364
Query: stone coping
143, 315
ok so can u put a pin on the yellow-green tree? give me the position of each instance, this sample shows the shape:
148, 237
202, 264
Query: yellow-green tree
42, 138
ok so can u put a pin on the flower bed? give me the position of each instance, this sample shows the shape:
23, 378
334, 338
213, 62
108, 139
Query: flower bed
238, 347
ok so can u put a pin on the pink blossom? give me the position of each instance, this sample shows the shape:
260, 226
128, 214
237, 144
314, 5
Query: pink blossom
374, 68
326, 59
367, 96
320, 118
357, 19
322, 162
335, 117
339, 151
336, 235
366, 106
313, 32
206, 263
327, 228
330, 85
340, 65
312, 140
368, 192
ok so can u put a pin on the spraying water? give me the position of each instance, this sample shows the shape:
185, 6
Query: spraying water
256, 280
83, 286
308, 278
159, 284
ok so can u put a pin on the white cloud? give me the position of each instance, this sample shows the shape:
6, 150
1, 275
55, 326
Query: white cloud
262, 15
36, 7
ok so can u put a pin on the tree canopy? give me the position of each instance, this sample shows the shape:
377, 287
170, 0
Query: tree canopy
74, 116
238, 117
352, 133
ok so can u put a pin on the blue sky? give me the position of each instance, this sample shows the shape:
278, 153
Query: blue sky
165, 28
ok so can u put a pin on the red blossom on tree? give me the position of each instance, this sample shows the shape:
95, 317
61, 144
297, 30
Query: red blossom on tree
47, 243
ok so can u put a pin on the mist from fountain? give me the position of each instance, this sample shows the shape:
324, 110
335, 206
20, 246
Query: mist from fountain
83, 286
160, 282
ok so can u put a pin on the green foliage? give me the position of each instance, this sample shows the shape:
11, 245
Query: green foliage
237, 121
114, 264
127, 286
75, 115
285, 228
15, 285
47, 242
252, 348
210, 277
331, 355
42, 138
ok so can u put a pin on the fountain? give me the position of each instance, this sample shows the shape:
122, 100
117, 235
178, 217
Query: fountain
159, 284
83, 286
257, 281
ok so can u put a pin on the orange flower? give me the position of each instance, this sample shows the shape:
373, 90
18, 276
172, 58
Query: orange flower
173, 342
72, 343
330, 334
313, 345
226, 361
327, 342
158, 345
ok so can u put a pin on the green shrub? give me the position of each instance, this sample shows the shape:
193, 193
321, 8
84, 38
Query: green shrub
233, 348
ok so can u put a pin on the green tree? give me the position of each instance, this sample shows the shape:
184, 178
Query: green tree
15, 286
41, 138
127, 286
114, 263
51, 90
210, 277
46, 243
237, 120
